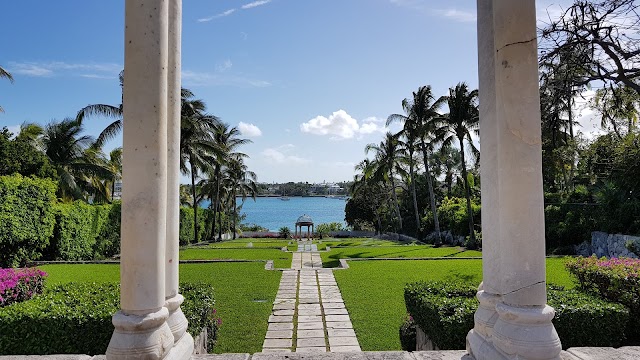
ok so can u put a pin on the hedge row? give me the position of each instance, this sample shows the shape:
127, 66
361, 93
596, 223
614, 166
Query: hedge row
27, 218
35, 226
60, 321
444, 311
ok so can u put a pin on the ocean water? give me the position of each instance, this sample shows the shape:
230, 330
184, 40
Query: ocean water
273, 213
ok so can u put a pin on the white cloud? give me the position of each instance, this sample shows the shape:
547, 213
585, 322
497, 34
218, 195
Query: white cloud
46, 69
255, 4
276, 156
193, 78
217, 16
457, 15
249, 130
224, 66
340, 125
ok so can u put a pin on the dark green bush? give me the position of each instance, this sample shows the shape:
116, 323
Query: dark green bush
407, 334
76, 319
452, 214
108, 241
205, 218
77, 226
444, 311
26, 218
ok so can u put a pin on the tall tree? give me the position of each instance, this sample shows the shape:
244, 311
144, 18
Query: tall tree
5, 74
386, 156
422, 113
108, 111
242, 183
227, 140
606, 35
457, 125
77, 168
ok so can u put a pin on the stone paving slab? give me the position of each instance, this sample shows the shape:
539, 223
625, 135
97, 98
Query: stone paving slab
277, 343
345, 348
313, 349
336, 312
309, 312
310, 342
280, 326
308, 306
310, 326
280, 319
339, 325
284, 312
343, 341
305, 319
302, 334
340, 332
279, 334
334, 305
331, 318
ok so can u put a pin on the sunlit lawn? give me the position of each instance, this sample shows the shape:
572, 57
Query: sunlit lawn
250, 243
373, 292
244, 294
332, 257
280, 258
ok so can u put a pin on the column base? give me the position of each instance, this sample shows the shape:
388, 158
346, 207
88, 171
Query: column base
519, 333
177, 321
182, 349
145, 337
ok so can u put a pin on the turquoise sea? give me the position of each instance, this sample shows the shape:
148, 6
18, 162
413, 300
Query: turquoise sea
273, 213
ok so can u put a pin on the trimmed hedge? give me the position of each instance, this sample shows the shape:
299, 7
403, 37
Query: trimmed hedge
77, 226
614, 279
26, 218
205, 218
444, 311
76, 319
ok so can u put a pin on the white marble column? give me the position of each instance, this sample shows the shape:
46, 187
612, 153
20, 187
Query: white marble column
514, 246
141, 330
183, 341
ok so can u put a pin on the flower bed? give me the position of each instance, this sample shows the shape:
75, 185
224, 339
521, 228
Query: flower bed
615, 279
18, 285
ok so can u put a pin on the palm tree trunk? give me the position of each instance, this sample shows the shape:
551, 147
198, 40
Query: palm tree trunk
472, 235
235, 214
395, 200
413, 193
195, 202
216, 202
432, 197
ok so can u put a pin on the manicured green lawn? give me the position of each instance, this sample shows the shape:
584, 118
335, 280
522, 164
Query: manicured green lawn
373, 292
244, 294
331, 258
280, 258
333, 242
251, 243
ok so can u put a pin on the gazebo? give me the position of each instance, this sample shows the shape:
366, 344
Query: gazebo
304, 220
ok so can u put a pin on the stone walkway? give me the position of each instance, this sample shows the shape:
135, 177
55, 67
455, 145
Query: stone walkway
309, 305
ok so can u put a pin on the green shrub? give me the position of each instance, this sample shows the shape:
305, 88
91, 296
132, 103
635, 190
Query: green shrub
285, 232
26, 218
205, 219
77, 226
108, 241
407, 334
616, 280
584, 320
76, 319
452, 214
444, 311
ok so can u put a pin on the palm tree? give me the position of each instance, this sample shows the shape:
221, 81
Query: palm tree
196, 148
242, 182
462, 119
109, 111
79, 170
422, 115
386, 156
227, 141
365, 182
5, 74
114, 164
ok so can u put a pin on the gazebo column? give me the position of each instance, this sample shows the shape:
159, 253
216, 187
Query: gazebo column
141, 330
513, 216
183, 341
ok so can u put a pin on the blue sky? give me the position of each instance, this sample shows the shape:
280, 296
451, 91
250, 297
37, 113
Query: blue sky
310, 82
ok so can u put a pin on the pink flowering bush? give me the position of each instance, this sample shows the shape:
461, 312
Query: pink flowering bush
18, 285
615, 279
